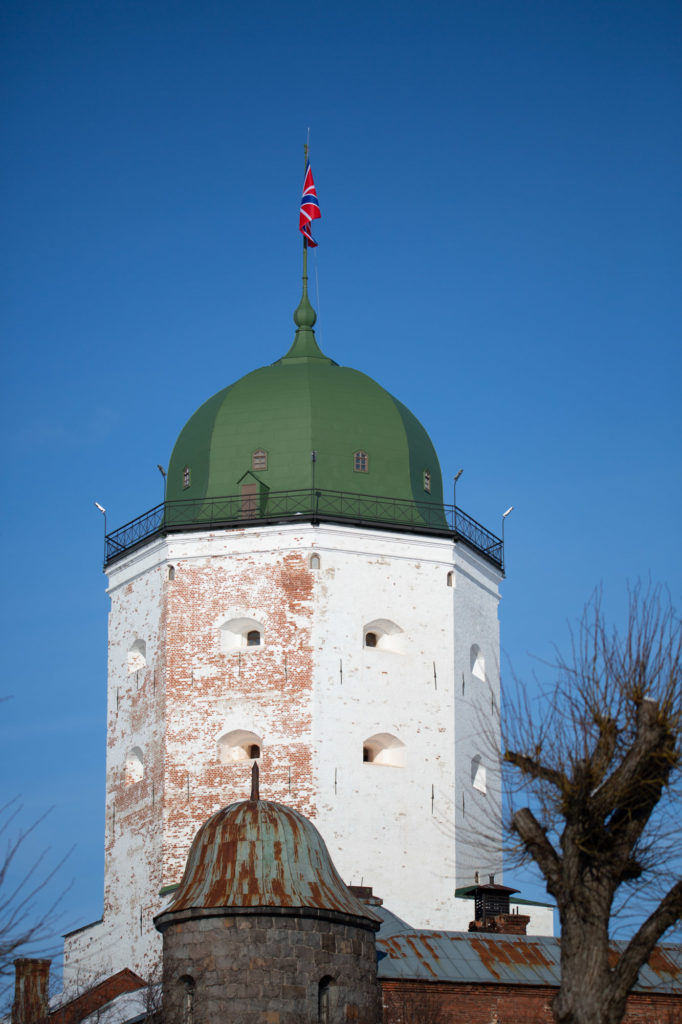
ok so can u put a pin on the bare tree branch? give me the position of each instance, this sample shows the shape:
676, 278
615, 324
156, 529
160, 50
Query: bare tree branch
29, 921
598, 762
640, 946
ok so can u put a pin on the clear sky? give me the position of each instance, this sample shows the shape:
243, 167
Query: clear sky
500, 248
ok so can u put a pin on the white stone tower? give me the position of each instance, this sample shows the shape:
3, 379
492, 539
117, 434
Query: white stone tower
330, 618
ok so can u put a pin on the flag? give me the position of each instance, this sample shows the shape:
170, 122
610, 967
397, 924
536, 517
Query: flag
310, 208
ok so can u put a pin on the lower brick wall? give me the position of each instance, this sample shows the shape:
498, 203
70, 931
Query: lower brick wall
414, 1002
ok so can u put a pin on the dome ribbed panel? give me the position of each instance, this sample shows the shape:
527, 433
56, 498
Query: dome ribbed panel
257, 853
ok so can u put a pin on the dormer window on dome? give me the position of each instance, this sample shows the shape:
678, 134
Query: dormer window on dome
360, 462
427, 481
185, 478
259, 460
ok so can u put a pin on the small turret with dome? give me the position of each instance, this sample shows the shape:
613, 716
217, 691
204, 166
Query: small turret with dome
262, 926
261, 431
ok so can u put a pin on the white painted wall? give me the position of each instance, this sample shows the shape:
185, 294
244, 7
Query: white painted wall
312, 692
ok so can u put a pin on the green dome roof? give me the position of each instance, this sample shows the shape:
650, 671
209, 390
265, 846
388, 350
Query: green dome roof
304, 402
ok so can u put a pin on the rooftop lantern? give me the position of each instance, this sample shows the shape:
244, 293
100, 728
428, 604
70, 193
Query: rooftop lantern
492, 910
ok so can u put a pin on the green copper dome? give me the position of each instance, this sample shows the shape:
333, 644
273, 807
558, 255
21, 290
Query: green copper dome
261, 431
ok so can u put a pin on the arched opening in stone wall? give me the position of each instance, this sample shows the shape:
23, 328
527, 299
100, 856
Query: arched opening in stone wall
240, 634
314, 561
478, 774
477, 663
239, 745
384, 749
324, 994
187, 986
137, 656
134, 768
383, 634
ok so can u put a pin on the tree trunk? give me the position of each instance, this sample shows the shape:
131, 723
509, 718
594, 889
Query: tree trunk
587, 993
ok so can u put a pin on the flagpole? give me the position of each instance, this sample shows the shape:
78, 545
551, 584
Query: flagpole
306, 147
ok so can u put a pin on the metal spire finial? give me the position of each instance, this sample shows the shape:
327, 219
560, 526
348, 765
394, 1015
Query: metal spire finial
255, 793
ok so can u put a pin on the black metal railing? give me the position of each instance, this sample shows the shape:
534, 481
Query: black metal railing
243, 511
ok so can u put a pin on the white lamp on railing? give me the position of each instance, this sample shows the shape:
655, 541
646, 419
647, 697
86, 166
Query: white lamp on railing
162, 471
504, 516
454, 498
104, 513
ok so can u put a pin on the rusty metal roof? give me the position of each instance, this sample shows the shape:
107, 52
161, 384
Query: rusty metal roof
502, 959
257, 853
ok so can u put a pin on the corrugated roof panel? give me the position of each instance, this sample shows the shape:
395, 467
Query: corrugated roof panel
463, 957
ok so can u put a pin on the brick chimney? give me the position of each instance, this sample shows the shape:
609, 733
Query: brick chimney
492, 910
31, 979
365, 895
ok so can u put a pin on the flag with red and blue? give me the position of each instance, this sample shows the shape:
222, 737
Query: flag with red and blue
310, 207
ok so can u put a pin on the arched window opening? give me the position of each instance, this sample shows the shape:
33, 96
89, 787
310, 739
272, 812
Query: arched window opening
171, 572
186, 474
427, 481
259, 459
384, 749
240, 634
137, 656
451, 579
314, 561
324, 1000
478, 774
188, 987
383, 634
360, 462
134, 771
477, 663
239, 745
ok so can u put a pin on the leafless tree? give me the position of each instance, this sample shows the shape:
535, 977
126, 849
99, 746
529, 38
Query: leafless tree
597, 766
29, 919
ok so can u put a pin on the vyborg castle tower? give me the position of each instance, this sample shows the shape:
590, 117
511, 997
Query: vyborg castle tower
302, 598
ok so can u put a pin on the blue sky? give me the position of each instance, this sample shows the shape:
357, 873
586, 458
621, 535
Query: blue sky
500, 248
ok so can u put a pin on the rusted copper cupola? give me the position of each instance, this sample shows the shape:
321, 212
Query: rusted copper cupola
263, 920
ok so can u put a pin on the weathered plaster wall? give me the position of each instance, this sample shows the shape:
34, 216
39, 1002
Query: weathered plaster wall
311, 693
477, 723
393, 827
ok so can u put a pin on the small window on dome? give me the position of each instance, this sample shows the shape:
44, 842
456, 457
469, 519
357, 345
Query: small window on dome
259, 459
185, 478
360, 462
427, 481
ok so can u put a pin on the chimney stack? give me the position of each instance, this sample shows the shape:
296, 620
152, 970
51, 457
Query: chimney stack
491, 903
31, 979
